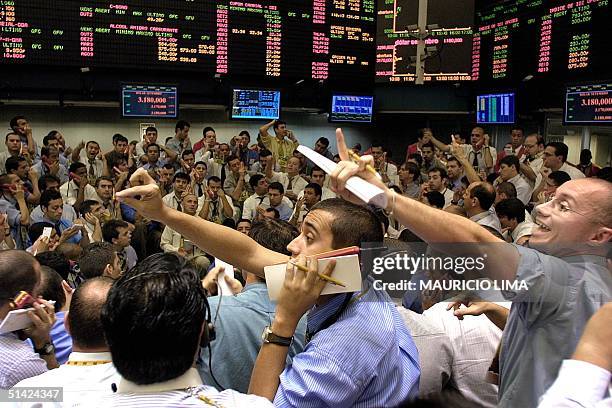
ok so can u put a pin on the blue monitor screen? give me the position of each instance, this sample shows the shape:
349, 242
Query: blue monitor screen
149, 101
495, 108
351, 108
255, 104
588, 104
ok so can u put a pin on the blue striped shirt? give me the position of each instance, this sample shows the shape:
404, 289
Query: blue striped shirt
18, 361
365, 359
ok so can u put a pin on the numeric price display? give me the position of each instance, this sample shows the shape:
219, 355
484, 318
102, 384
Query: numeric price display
149, 101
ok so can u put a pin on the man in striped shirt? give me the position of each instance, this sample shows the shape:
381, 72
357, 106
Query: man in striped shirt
154, 323
360, 353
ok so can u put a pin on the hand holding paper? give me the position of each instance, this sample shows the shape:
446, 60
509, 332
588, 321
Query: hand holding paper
351, 180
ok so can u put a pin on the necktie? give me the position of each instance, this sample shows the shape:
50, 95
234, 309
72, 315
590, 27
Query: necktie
475, 161
261, 199
178, 204
200, 190
290, 185
215, 212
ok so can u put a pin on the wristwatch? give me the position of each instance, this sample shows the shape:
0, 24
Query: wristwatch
46, 350
268, 337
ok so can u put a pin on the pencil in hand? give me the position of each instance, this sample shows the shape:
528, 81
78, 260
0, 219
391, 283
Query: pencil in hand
369, 167
324, 277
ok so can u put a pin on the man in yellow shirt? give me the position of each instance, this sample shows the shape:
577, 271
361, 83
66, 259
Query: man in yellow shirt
281, 146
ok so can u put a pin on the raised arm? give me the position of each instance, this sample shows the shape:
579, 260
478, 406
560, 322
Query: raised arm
442, 146
458, 152
76, 153
265, 134
432, 225
217, 240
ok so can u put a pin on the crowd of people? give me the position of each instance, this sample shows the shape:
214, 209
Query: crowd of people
123, 257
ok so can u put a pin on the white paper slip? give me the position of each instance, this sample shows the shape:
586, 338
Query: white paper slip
368, 193
17, 320
346, 271
222, 287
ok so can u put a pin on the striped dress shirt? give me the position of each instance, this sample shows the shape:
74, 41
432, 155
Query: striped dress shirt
184, 391
18, 361
367, 358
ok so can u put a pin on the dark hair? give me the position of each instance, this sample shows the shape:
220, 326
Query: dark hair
413, 169
324, 141
214, 179
49, 195
168, 166
10, 134
86, 206
150, 129
243, 220
511, 208
231, 157
428, 144
276, 186
265, 153
517, 127
50, 286
275, 211
559, 177
12, 163
13, 122
440, 170
186, 152
352, 224
435, 199
245, 132
44, 181
75, 166
485, 193
182, 176
585, 156
511, 160
95, 257
85, 312
453, 158
56, 261
208, 129
49, 137
317, 168
181, 124
110, 229
153, 145
36, 230
202, 163
273, 234
156, 309
16, 273
317, 189
605, 174
507, 188
118, 137
277, 123
254, 180
90, 142
47, 151
561, 149
417, 157
103, 178
229, 222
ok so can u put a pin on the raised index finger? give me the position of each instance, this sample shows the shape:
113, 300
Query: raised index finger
342, 149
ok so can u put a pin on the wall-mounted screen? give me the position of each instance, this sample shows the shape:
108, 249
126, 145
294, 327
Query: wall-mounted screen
351, 108
255, 104
495, 108
588, 104
149, 101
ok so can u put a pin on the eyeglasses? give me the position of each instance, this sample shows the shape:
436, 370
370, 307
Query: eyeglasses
563, 207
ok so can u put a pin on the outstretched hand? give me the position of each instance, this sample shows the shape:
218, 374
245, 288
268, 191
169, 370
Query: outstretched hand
145, 196
347, 168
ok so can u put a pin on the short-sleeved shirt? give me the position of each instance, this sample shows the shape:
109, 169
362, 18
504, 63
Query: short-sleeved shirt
547, 320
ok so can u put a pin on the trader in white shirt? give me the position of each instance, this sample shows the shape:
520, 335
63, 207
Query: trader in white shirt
78, 189
292, 182
167, 378
509, 171
260, 198
180, 182
90, 158
555, 158
388, 171
89, 372
318, 176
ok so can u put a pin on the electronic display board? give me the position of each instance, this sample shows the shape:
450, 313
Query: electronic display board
589, 104
255, 104
149, 101
495, 108
351, 108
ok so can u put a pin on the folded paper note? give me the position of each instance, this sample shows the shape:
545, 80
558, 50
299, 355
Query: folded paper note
366, 192
17, 320
346, 271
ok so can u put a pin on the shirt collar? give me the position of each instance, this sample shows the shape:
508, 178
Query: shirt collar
480, 216
514, 179
319, 314
255, 286
189, 379
77, 356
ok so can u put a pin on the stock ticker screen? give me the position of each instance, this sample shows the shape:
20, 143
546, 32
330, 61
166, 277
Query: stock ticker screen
452, 60
149, 101
255, 104
588, 104
314, 39
543, 38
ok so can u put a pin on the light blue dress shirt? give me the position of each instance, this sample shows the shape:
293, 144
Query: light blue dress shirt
242, 319
367, 358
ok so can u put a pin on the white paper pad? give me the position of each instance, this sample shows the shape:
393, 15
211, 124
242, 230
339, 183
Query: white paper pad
222, 286
346, 271
17, 320
367, 192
